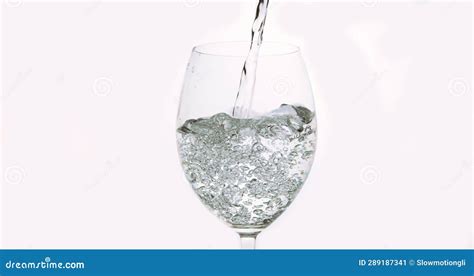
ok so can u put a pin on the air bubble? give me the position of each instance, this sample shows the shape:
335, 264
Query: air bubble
247, 170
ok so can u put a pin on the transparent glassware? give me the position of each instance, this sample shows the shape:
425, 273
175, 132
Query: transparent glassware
246, 171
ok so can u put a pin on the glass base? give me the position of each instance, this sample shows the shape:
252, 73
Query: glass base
248, 237
248, 231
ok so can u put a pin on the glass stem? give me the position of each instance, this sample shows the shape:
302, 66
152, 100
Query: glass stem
247, 241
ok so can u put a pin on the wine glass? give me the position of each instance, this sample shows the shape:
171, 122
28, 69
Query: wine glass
247, 171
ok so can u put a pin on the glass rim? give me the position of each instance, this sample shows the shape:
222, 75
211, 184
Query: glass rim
223, 49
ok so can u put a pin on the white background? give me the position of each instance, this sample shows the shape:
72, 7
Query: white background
90, 94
